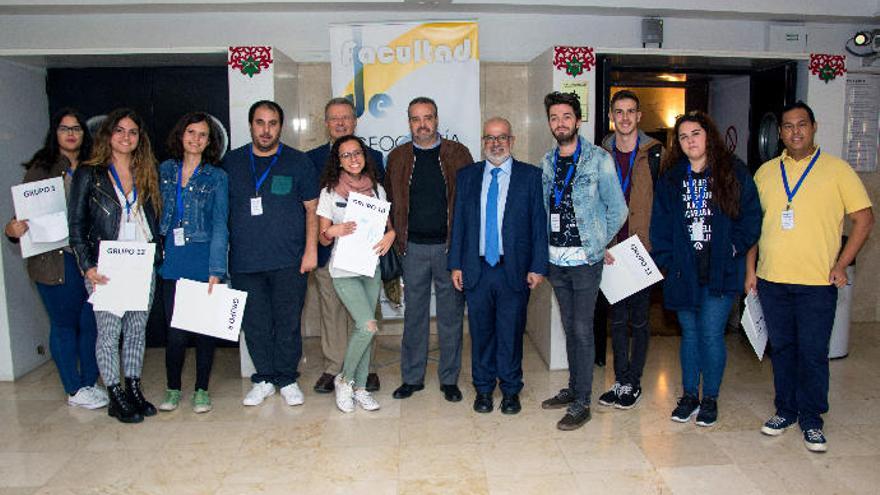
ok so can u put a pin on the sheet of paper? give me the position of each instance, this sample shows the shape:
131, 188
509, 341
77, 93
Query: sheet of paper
354, 253
218, 314
48, 228
34, 200
753, 323
633, 270
129, 266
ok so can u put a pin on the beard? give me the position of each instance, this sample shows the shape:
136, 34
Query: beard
566, 138
267, 148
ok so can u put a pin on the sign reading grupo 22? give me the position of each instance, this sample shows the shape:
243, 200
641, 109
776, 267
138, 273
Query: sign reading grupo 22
381, 67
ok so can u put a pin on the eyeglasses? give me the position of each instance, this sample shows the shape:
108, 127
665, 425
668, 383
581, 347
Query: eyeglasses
502, 139
63, 129
350, 155
344, 118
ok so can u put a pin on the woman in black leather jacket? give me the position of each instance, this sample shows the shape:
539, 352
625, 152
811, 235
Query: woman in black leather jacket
115, 196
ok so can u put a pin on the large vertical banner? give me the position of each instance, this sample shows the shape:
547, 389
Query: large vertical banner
382, 66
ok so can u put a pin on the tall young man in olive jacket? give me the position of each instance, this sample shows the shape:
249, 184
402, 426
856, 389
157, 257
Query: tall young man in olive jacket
633, 152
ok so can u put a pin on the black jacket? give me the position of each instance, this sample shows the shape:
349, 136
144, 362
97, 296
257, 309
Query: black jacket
94, 212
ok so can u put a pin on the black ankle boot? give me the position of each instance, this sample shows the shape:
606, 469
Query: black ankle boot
119, 406
136, 397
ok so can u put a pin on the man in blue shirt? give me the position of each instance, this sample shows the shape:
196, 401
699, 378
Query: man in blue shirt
273, 229
340, 118
497, 254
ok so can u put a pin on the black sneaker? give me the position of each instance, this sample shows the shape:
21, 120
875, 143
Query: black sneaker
558, 401
610, 397
815, 441
708, 414
574, 418
776, 425
629, 396
688, 406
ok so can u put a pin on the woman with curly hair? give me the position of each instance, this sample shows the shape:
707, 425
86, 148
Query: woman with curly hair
194, 216
72, 330
351, 169
115, 196
706, 216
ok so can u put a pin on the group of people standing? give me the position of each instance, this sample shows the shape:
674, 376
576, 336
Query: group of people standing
485, 233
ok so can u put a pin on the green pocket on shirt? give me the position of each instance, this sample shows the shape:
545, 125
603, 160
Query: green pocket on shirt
281, 184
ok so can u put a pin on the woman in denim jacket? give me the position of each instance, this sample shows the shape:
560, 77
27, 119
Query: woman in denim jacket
195, 209
706, 216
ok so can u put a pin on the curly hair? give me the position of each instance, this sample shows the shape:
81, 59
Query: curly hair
723, 183
175, 138
143, 162
330, 175
46, 156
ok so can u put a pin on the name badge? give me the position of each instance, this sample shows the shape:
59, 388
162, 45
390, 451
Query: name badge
555, 222
787, 219
179, 239
256, 206
697, 231
129, 231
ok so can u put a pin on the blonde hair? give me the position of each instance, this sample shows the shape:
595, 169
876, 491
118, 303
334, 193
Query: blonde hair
143, 162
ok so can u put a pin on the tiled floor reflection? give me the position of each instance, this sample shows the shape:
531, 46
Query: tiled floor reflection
424, 445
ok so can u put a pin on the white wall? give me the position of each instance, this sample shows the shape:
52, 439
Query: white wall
729, 106
23, 124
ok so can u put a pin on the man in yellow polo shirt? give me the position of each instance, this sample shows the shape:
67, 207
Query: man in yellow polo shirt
805, 195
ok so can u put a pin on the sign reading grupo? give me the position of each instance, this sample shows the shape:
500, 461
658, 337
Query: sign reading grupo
381, 67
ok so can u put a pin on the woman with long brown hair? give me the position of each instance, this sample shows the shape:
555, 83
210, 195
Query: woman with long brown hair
706, 216
115, 196
60, 284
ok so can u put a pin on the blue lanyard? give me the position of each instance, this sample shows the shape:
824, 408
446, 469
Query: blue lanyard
179, 217
134, 190
557, 191
698, 200
259, 182
624, 184
69, 172
790, 193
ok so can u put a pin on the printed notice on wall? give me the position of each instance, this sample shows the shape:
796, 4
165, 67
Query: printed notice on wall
861, 136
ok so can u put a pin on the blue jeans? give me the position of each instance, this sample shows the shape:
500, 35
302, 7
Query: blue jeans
576, 288
799, 322
72, 333
702, 343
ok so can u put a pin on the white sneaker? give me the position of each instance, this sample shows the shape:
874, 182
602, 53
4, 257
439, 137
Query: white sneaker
258, 394
365, 400
344, 394
86, 398
100, 393
292, 394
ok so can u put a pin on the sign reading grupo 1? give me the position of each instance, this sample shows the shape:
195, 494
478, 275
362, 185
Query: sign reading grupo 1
381, 67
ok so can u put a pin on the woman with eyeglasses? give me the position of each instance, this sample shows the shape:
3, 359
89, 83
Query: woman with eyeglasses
351, 169
115, 197
72, 330
194, 215
706, 216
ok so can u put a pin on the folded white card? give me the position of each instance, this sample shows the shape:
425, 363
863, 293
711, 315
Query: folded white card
753, 323
43, 205
217, 314
633, 270
354, 252
129, 268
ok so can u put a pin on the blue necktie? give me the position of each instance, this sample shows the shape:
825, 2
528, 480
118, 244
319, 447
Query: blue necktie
492, 255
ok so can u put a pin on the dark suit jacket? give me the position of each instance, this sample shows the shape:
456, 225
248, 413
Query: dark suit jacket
523, 231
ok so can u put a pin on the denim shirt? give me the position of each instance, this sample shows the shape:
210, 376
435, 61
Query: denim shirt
598, 200
205, 210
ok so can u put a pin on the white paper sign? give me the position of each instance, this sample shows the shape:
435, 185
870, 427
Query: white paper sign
633, 270
217, 314
354, 252
129, 266
753, 322
44, 206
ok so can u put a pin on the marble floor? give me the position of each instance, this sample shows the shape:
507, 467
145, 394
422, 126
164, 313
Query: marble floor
425, 445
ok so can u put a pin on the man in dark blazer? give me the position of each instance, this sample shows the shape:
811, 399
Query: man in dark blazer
497, 254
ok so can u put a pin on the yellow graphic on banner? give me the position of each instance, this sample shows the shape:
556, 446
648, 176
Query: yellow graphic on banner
384, 65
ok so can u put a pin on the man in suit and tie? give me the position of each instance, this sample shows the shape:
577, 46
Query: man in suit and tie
497, 254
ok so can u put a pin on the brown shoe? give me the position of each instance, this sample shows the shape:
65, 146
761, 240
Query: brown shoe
372, 382
324, 385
